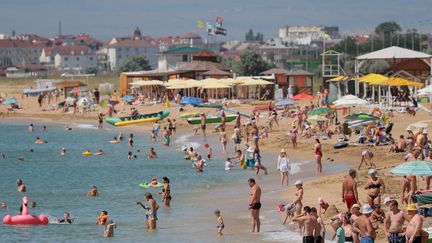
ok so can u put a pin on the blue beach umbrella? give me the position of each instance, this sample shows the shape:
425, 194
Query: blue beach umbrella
128, 97
285, 102
190, 101
413, 168
9, 101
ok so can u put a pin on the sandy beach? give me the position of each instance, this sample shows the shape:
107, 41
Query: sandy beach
327, 185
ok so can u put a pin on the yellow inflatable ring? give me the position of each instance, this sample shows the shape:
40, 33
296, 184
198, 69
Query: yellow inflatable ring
87, 153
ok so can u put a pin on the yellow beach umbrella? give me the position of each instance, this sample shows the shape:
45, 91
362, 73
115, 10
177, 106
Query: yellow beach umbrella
373, 78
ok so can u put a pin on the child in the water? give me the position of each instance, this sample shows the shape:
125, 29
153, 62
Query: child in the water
220, 224
109, 228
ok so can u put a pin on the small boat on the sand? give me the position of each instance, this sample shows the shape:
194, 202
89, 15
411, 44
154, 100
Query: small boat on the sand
129, 120
211, 119
209, 105
189, 114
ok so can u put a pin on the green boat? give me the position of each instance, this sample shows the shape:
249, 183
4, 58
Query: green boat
129, 120
211, 119
209, 105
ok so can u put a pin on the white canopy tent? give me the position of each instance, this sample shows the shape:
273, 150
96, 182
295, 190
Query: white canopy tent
390, 54
349, 101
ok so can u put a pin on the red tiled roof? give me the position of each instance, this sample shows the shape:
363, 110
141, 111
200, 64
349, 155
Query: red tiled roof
8, 43
132, 43
87, 39
72, 50
205, 53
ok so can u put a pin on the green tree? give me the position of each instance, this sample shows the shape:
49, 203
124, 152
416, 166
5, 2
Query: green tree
249, 36
388, 28
251, 63
135, 63
91, 70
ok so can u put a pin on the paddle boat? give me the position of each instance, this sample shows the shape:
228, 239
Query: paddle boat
129, 120
25, 218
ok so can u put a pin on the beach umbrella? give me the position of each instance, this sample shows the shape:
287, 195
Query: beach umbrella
9, 101
285, 102
190, 101
317, 118
302, 96
413, 168
321, 111
128, 98
361, 116
416, 126
106, 102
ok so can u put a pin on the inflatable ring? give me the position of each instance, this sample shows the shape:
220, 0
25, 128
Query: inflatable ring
376, 110
370, 130
87, 153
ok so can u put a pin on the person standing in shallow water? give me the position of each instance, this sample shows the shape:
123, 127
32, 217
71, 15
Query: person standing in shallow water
166, 192
255, 204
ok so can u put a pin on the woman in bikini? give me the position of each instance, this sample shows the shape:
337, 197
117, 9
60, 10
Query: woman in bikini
166, 192
376, 188
318, 155
223, 139
298, 198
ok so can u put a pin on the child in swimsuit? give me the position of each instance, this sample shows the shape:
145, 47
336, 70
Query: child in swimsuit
220, 224
109, 229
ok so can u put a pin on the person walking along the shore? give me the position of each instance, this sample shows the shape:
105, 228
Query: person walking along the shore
255, 204
349, 189
283, 166
318, 155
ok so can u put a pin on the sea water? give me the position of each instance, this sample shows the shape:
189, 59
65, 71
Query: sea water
60, 183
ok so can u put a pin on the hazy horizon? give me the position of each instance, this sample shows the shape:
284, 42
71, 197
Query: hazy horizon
109, 18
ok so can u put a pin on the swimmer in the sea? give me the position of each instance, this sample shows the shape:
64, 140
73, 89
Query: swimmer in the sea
109, 228
130, 155
63, 151
66, 218
31, 128
114, 140
152, 153
39, 141
32, 205
43, 129
3, 156
3, 205
93, 192
21, 158
31, 150
21, 186
67, 128
99, 152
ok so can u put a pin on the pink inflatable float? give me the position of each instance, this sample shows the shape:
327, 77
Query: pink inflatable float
25, 218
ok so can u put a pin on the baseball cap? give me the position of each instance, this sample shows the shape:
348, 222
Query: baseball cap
298, 182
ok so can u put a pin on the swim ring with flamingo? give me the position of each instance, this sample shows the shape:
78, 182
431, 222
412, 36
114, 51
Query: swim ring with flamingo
25, 217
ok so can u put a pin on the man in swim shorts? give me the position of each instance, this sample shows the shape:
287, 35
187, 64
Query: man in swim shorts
349, 189
309, 224
255, 204
203, 124
21, 186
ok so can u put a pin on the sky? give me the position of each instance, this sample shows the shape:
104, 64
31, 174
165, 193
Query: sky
104, 19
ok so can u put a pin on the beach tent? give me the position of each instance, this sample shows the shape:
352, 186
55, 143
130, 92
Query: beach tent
349, 101
392, 55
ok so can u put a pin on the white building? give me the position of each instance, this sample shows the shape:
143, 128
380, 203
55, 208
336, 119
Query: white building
74, 58
305, 35
16, 52
118, 51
